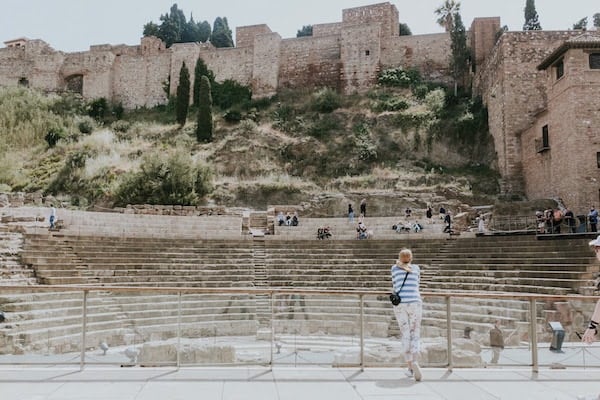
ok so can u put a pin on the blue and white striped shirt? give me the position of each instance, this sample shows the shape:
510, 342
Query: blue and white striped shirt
410, 291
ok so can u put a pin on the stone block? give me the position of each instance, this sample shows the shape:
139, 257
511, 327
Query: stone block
191, 353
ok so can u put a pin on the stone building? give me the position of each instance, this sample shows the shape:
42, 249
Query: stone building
542, 90
545, 127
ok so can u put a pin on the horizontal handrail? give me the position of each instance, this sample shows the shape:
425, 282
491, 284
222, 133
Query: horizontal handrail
251, 290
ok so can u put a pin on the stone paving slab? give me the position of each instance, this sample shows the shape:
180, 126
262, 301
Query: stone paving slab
257, 383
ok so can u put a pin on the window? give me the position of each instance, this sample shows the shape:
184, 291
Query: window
595, 61
24, 82
367, 53
543, 144
545, 141
598, 158
560, 69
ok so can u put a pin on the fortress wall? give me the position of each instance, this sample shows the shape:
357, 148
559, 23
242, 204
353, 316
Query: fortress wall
244, 35
310, 62
428, 53
331, 29
360, 55
385, 14
14, 65
515, 93
233, 63
573, 120
266, 61
482, 37
138, 79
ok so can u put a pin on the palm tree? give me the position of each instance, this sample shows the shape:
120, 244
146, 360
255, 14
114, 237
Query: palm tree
446, 13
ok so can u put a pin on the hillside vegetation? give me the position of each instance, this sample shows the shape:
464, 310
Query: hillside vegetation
405, 142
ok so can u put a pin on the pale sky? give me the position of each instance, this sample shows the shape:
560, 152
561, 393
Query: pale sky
74, 25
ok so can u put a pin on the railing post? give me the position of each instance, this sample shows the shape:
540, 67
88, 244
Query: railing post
272, 300
178, 329
362, 332
449, 330
83, 329
533, 333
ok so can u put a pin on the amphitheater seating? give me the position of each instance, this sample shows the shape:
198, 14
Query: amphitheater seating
51, 321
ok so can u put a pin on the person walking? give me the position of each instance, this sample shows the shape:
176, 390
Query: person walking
52, 216
406, 277
363, 207
429, 214
448, 222
350, 213
593, 218
496, 342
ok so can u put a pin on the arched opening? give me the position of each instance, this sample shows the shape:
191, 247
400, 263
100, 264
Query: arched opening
24, 82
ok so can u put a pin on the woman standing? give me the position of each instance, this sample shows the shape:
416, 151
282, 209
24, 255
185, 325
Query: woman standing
405, 280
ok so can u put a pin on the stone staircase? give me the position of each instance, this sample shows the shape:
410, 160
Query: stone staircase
12, 270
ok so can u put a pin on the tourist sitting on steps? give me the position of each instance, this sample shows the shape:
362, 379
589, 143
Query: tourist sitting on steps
361, 230
324, 233
280, 218
295, 220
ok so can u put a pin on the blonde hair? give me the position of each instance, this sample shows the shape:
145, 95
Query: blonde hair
404, 253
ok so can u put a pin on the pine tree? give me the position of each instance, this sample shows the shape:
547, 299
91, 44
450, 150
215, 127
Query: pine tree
183, 95
404, 29
532, 22
204, 130
581, 25
221, 34
460, 52
201, 70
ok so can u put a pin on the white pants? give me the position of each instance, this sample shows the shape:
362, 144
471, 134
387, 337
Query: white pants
409, 317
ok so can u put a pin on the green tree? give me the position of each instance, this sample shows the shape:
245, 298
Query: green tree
446, 13
204, 129
596, 20
151, 29
200, 71
190, 31
459, 63
203, 31
305, 31
581, 25
532, 22
404, 29
182, 103
221, 35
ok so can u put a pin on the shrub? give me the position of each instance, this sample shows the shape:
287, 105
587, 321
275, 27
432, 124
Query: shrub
172, 179
436, 101
365, 147
54, 135
399, 77
420, 91
326, 100
323, 126
86, 125
229, 93
233, 116
391, 104
98, 109
120, 126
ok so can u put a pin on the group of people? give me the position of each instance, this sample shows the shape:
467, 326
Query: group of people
551, 220
288, 219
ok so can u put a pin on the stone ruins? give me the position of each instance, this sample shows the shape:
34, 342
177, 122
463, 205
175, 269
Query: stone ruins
541, 87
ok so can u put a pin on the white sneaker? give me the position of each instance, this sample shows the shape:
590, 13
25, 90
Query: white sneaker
417, 372
409, 373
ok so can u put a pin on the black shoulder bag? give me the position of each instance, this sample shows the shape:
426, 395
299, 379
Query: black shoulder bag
395, 297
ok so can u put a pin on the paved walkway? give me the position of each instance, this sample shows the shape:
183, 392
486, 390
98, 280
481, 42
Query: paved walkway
112, 383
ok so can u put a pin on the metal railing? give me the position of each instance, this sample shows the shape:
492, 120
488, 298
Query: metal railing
367, 302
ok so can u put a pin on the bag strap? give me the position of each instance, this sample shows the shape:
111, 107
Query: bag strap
404, 281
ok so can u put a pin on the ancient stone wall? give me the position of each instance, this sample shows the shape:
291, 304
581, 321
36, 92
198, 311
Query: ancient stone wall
310, 62
569, 167
334, 28
267, 58
360, 52
244, 35
515, 92
482, 37
428, 53
385, 14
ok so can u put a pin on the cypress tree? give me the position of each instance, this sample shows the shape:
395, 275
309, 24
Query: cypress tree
204, 130
200, 71
532, 22
183, 95
221, 34
460, 52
